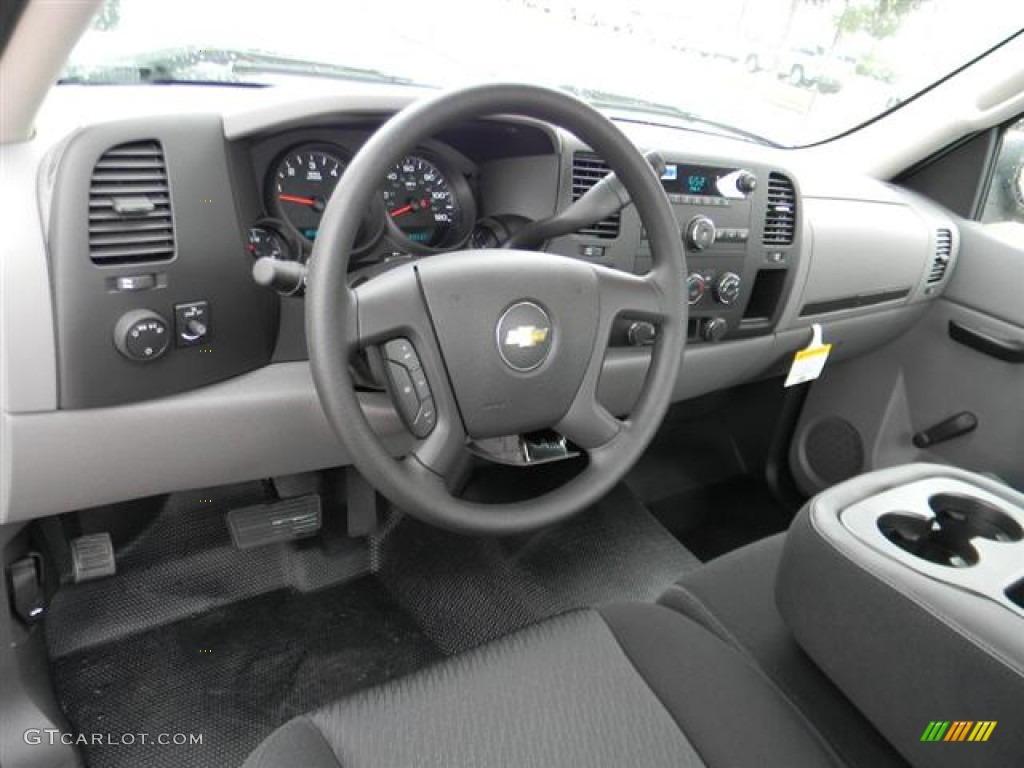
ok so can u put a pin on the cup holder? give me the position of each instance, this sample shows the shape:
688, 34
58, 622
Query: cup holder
927, 539
946, 538
966, 517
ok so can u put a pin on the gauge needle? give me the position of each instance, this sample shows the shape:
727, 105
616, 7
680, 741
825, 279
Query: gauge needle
294, 199
399, 211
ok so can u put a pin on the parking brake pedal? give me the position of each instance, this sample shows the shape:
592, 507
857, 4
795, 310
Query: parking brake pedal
92, 557
275, 522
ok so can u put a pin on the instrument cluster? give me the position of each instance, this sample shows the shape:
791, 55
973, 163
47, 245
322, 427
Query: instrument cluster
424, 205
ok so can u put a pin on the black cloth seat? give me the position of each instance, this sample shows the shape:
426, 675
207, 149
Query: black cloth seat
629, 684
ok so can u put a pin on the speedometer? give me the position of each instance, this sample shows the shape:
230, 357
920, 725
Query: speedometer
422, 203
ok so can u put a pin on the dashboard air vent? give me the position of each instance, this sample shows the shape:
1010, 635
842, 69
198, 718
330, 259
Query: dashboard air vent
587, 170
780, 217
130, 217
943, 252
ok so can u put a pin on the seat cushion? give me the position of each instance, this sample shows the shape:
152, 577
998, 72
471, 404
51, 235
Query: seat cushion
633, 684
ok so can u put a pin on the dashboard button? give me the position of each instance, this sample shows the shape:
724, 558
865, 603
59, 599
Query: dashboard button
141, 335
127, 283
191, 323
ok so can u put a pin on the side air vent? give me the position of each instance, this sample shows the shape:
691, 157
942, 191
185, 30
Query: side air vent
943, 253
780, 218
130, 217
587, 170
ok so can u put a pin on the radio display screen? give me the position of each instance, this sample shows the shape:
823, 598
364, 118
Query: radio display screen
693, 179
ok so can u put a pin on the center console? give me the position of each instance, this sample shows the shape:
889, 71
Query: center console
906, 587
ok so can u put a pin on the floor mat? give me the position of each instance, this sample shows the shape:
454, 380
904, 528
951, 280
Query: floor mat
183, 565
235, 673
467, 590
714, 519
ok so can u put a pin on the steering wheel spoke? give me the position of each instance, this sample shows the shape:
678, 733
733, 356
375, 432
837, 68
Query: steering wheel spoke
387, 307
588, 424
624, 293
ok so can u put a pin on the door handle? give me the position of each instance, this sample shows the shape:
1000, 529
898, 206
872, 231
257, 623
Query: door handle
987, 344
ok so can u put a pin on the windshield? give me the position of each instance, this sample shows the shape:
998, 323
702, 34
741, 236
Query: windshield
790, 72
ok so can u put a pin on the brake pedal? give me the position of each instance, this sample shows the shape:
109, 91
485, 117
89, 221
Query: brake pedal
275, 522
92, 557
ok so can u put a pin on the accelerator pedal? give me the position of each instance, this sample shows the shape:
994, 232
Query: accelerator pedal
275, 522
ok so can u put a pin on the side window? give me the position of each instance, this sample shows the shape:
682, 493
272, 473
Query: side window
1004, 204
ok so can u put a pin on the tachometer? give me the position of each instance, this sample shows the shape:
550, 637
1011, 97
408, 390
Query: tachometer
302, 184
422, 203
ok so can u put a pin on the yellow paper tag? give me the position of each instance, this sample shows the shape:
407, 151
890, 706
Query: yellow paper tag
809, 362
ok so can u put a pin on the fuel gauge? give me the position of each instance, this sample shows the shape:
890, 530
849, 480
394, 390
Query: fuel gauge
265, 241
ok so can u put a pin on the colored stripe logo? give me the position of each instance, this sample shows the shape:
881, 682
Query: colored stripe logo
958, 730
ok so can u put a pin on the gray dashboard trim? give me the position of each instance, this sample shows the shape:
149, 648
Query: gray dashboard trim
28, 354
265, 423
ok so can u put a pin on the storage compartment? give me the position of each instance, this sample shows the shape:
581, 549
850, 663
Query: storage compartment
765, 295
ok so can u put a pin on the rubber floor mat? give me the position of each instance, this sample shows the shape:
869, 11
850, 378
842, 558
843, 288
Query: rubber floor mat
184, 564
235, 673
467, 590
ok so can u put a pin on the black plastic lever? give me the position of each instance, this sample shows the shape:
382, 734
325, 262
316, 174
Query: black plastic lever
945, 430
1001, 349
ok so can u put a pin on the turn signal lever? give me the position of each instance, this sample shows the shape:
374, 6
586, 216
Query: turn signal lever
286, 277
607, 197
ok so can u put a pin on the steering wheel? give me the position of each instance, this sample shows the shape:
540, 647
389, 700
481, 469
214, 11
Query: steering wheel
500, 342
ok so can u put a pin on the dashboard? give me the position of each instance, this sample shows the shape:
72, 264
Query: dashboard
154, 339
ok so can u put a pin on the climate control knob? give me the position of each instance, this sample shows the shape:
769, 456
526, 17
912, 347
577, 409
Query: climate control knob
696, 287
141, 335
700, 233
727, 289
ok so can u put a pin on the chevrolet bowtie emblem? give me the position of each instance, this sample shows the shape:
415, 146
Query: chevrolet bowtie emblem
526, 336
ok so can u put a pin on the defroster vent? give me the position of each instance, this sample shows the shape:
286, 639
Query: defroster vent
587, 170
130, 219
780, 217
943, 253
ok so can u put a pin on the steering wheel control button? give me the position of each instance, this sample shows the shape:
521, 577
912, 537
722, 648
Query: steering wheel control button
191, 323
409, 387
425, 420
727, 289
401, 351
524, 336
419, 384
141, 335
